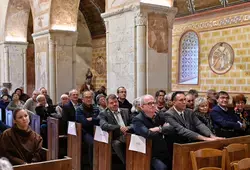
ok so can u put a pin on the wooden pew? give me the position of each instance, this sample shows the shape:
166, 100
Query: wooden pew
59, 164
181, 156
35, 123
137, 160
9, 118
53, 136
75, 147
102, 155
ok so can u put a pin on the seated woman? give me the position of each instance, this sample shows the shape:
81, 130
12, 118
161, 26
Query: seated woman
15, 103
20, 144
201, 109
239, 103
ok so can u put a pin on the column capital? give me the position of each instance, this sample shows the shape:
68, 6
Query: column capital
140, 19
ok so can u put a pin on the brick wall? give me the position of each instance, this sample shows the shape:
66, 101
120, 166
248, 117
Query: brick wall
237, 79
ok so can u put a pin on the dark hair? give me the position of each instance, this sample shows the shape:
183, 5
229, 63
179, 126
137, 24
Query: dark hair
19, 89
13, 95
175, 94
193, 92
118, 89
98, 97
239, 97
221, 93
111, 96
16, 111
160, 91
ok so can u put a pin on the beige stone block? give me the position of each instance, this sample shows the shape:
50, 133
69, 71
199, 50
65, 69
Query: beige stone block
205, 48
248, 81
236, 31
234, 88
226, 33
246, 74
241, 37
229, 81
225, 88
231, 38
237, 60
241, 66
216, 34
236, 45
246, 44
245, 89
202, 42
235, 74
206, 35
219, 81
247, 29
209, 81
210, 41
240, 81
241, 52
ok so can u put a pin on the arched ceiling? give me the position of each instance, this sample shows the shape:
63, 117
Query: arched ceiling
91, 10
189, 7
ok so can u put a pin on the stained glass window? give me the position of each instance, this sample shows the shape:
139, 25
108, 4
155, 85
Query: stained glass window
188, 59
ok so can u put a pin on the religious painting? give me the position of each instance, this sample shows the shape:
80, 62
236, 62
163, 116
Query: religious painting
221, 58
100, 65
158, 32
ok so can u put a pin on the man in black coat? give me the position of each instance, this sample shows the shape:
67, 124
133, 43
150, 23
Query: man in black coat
147, 124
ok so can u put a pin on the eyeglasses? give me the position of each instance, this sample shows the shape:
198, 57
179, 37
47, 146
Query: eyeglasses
150, 103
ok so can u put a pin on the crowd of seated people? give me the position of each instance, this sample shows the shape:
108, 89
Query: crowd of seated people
165, 118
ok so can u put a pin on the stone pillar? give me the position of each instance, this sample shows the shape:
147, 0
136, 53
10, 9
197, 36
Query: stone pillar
54, 61
141, 21
25, 70
13, 65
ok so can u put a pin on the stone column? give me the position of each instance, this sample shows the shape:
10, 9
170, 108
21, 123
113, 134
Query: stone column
13, 65
25, 70
140, 54
55, 61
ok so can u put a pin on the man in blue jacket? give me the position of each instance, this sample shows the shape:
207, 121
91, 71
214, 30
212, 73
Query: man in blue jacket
226, 123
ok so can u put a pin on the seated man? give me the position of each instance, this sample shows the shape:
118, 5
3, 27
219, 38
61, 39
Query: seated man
31, 103
159, 97
117, 120
226, 123
145, 125
188, 127
190, 101
86, 114
211, 98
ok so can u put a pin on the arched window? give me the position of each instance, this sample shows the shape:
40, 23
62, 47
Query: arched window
189, 58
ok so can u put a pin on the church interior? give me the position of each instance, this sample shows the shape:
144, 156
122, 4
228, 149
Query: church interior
72, 54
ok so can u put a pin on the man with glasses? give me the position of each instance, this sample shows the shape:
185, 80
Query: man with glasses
145, 124
187, 126
211, 98
117, 120
226, 123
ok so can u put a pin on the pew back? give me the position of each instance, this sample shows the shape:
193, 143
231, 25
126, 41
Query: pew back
9, 117
137, 160
75, 147
53, 134
181, 156
59, 164
35, 123
103, 155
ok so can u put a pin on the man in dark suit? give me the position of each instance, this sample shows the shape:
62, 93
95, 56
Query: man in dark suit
123, 102
145, 124
86, 114
117, 120
188, 127
226, 122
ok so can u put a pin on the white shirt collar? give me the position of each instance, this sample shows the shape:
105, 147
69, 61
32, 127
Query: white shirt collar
178, 111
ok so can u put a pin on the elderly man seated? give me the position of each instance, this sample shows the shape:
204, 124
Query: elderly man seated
145, 124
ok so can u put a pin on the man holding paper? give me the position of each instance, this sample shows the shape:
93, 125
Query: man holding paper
144, 124
117, 120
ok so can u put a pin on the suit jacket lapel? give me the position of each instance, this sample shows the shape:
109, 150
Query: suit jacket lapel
180, 118
112, 116
123, 117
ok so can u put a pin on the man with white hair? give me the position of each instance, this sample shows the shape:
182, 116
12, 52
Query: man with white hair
144, 124
5, 164
31, 103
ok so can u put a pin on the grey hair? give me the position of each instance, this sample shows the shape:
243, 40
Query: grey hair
142, 98
72, 91
168, 96
64, 95
198, 101
39, 97
5, 164
136, 103
36, 91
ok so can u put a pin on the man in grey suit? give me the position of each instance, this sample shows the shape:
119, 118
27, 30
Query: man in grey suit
187, 126
117, 120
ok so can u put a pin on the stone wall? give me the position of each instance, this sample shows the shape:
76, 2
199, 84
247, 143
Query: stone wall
231, 28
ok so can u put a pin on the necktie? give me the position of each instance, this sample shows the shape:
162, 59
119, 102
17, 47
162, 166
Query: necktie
182, 116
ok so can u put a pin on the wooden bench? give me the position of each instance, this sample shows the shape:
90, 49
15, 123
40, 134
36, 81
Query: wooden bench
35, 123
181, 156
102, 155
137, 160
59, 164
75, 147
74, 142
